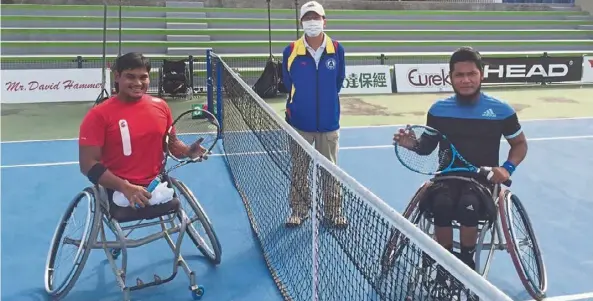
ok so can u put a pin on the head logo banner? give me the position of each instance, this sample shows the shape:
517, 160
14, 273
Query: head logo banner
588, 69
368, 79
427, 78
533, 69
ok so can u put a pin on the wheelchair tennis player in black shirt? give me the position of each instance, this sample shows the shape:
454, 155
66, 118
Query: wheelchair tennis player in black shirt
474, 122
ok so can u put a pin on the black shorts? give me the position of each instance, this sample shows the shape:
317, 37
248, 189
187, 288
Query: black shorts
451, 191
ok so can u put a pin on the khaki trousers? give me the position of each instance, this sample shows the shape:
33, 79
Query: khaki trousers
300, 190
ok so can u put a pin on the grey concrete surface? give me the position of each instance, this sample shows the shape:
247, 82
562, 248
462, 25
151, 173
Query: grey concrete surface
286, 35
170, 23
184, 4
175, 25
394, 37
111, 36
336, 15
263, 48
585, 5
393, 5
11, 10
80, 23
188, 38
335, 4
371, 25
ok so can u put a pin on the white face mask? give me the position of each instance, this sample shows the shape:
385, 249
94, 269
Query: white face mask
313, 28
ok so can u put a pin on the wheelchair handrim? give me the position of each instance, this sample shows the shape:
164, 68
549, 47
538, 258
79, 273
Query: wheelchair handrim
82, 251
536, 286
397, 241
213, 251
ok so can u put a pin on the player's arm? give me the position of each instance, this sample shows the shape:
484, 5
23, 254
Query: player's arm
89, 158
177, 147
513, 133
427, 143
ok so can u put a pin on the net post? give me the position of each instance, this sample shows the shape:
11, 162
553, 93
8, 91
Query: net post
219, 97
314, 233
209, 87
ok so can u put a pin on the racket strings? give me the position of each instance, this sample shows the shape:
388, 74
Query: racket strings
429, 155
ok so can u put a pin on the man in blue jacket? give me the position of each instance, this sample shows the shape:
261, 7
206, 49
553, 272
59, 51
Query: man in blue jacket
313, 72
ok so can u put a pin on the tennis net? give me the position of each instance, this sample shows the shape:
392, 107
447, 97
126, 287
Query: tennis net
378, 256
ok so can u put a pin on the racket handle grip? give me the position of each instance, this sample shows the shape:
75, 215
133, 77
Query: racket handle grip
508, 183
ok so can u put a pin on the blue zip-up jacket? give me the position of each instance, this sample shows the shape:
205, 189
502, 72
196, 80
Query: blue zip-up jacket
313, 104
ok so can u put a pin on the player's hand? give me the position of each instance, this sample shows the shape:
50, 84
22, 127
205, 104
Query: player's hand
136, 195
196, 150
405, 138
500, 175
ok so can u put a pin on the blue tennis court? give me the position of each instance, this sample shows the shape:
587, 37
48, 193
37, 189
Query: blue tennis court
39, 178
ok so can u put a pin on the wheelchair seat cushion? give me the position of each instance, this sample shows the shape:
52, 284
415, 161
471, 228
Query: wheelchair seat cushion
129, 214
455, 187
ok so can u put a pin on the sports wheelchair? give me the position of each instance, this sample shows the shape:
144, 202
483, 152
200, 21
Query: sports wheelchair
175, 79
101, 214
510, 229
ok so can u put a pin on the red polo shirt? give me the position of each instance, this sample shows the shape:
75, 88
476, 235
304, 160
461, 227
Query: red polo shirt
130, 136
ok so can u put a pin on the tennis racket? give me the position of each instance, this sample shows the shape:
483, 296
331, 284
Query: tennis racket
429, 152
188, 140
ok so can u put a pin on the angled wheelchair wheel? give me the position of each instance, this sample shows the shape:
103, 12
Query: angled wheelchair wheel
209, 246
69, 248
397, 241
522, 246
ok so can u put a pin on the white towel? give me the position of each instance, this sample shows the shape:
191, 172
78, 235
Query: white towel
161, 194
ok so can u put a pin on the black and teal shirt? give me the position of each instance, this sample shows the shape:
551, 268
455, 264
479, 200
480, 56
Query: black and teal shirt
475, 130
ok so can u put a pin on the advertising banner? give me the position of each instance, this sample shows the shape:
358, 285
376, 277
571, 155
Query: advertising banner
426, 78
588, 69
367, 79
423, 78
533, 69
51, 85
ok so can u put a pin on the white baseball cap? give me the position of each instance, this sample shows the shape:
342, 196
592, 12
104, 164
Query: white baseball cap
312, 6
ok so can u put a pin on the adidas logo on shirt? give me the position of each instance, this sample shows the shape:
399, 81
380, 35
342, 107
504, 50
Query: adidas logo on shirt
489, 113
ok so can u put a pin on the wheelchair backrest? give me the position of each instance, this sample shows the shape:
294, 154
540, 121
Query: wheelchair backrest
174, 66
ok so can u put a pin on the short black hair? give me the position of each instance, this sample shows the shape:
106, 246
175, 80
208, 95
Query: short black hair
466, 54
132, 60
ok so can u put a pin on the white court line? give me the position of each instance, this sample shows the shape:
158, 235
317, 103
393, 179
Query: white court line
261, 153
342, 128
583, 296
522, 121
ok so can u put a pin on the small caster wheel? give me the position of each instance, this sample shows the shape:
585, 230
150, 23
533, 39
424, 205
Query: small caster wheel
198, 293
115, 252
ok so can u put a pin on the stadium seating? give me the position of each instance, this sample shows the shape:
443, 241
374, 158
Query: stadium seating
183, 28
